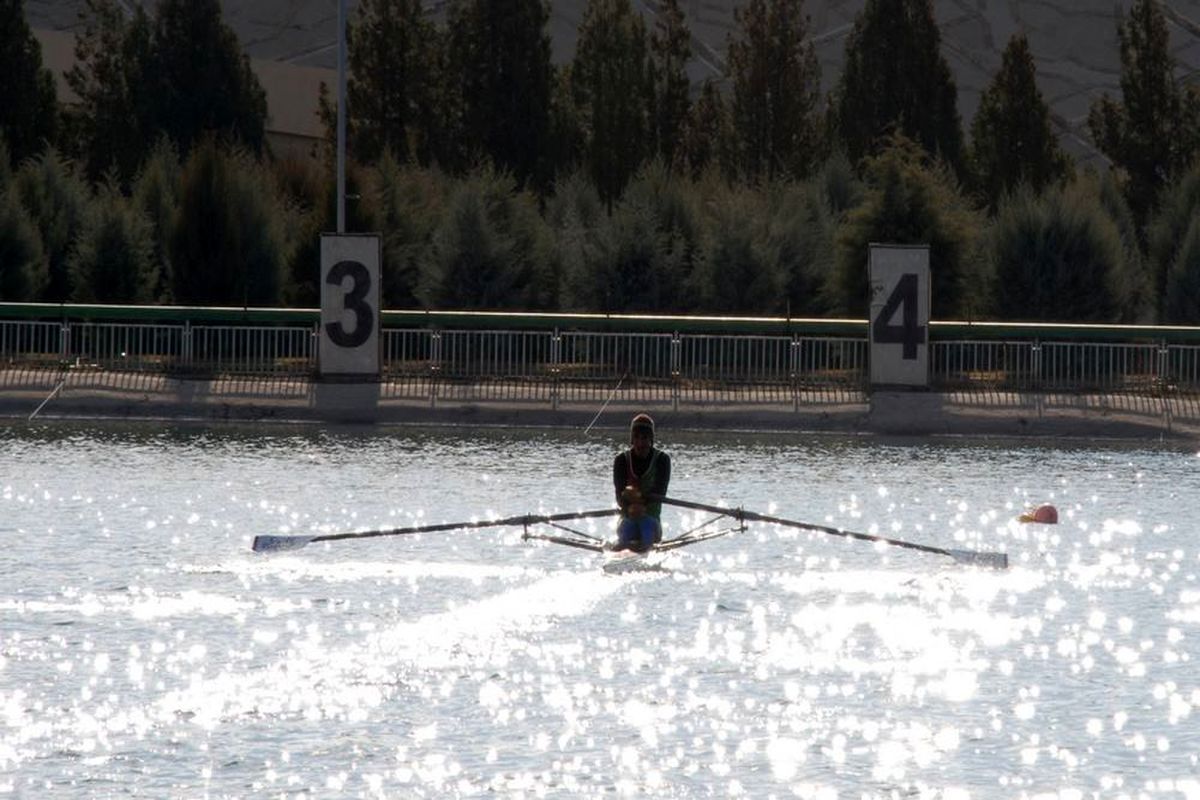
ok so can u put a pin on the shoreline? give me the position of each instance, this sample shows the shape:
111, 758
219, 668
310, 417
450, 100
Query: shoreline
50, 396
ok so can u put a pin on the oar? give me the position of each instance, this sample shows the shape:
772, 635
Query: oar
268, 543
995, 560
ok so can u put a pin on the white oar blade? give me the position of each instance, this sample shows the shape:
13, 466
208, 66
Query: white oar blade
277, 544
992, 560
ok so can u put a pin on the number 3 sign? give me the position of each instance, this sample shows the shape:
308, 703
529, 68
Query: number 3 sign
349, 341
899, 279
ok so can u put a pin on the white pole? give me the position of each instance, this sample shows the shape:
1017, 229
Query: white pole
341, 119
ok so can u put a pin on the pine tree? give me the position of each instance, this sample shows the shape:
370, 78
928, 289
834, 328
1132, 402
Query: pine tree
776, 88
1011, 139
706, 132
111, 125
113, 259
1153, 132
895, 80
23, 273
670, 44
200, 78
392, 88
57, 199
500, 63
28, 106
911, 199
610, 82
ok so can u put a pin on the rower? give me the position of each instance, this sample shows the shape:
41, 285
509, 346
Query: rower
641, 476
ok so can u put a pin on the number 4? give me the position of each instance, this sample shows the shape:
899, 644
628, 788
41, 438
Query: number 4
908, 332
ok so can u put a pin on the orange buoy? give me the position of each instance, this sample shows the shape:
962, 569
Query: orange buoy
1045, 514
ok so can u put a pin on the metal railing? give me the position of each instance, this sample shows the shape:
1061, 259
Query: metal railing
587, 359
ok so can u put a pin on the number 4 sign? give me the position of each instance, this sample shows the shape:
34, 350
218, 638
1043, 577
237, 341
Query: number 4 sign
899, 279
349, 340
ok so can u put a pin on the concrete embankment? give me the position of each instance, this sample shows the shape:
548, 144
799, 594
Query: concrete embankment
52, 395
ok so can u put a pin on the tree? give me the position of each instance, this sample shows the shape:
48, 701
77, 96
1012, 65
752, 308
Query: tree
776, 87
1011, 139
113, 259
610, 80
156, 195
28, 105
895, 80
22, 263
393, 87
56, 197
1153, 133
182, 73
411, 202
1057, 258
670, 46
734, 273
230, 244
1174, 249
500, 65
1181, 301
112, 123
910, 199
491, 250
707, 132
199, 78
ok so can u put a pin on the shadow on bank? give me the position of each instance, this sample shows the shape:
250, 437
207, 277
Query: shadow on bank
76, 394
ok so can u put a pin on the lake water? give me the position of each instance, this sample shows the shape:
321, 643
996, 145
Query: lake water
145, 650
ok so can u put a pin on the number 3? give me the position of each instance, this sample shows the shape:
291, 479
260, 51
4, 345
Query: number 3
364, 320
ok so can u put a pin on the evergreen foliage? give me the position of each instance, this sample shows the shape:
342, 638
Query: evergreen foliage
1181, 302
1012, 142
23, 273
156, 195
394, 82
501, 72
56, 198
411, 201
1057, 257
5, 165
491, 250
707, 134
894, 79
181, 73
113, 259
28, 104
776, 87
575, 214
610, 82
1173, 250
229, 245
112, 123
799, 238
911, 199
671, 47
734, 273
201, 78
1153, 133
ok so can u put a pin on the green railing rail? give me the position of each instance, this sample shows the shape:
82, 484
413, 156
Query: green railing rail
619, 323
560, 357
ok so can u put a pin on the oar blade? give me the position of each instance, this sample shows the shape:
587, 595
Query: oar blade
278, 544
979, 559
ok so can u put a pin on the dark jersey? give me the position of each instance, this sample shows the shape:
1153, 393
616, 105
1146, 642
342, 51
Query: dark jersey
651, 475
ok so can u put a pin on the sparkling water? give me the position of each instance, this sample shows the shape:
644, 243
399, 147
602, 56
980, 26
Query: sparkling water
145, 650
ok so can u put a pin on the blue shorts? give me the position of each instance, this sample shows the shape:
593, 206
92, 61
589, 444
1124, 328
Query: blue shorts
638, 534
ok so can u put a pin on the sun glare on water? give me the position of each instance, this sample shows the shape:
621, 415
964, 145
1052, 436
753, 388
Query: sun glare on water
165, 658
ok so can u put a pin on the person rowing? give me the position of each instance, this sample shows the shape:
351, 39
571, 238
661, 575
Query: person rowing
641, 476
